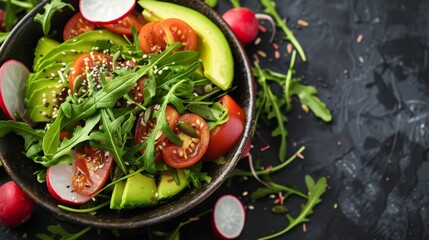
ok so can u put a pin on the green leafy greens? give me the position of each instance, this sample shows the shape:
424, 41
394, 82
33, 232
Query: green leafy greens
50, 9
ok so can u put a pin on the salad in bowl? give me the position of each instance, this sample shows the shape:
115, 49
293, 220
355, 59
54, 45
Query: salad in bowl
126, 118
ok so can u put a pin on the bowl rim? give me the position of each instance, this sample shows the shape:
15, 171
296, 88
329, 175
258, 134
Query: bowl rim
207, 189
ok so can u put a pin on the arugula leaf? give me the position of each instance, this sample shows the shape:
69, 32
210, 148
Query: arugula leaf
315, 192
112, 136
307, 97
58, 231
268, 103
270, 8
3, 36
81, 134
50, 9
32, 137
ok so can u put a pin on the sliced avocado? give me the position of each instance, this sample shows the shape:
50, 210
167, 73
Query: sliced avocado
168, 188
84, 42
49, 71
118, 190
140, 191
44, 45
215, 51
42, 102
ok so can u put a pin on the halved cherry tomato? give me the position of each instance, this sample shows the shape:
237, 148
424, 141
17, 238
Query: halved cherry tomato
156, 35
123, 27
224, 137
144, 128
76, 25
92, 169
90, 61
137, 93
193, 147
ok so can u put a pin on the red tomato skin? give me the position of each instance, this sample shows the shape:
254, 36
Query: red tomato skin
95, 175
156, 35
16, 207
80, 64
142, 132
170, 153
224, 137
77, 25
243, 23
123, 27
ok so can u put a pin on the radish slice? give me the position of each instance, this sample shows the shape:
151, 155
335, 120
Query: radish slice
58, 180
228, 217
106, 11
13, 75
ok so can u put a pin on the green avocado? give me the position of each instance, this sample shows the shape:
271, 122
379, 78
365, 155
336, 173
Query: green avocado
168, 188
139, 191
43, 88
44, 45
215, 51
84, 42
115, 200
43, 101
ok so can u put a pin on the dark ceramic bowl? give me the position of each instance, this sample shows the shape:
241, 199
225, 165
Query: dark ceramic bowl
21, 44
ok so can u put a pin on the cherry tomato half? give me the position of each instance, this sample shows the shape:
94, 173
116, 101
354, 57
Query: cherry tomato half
76, 25
90, 61
92, 169
224, 137
144, 128
155, 36
193, 147
123, 27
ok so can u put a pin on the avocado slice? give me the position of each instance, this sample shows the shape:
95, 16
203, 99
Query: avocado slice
42, 99
215, 51
139, 191
167, 187
115, 200
44, 45
84, 42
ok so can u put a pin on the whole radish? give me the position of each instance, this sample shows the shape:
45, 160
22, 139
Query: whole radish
1, 20
245, 23
16, 207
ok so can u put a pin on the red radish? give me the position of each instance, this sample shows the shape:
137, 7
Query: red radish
1, 20
105, 11
16, 207
246, 151
228, 217
244, 23
58, 180
13, 75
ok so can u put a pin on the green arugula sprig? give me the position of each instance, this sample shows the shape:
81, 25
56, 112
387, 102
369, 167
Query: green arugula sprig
175, 234
14, 9
269, 104
58, 231
315, 192
270, 8
50, 9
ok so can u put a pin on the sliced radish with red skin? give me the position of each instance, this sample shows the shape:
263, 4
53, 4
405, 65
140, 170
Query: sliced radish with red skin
105, 11
228, 217
13, 75
58, 181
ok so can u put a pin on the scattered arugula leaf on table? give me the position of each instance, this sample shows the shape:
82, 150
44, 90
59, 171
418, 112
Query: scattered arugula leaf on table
315, 192
58, 231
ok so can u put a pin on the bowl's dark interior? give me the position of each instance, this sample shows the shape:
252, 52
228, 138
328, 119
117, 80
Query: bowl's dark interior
21, 46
